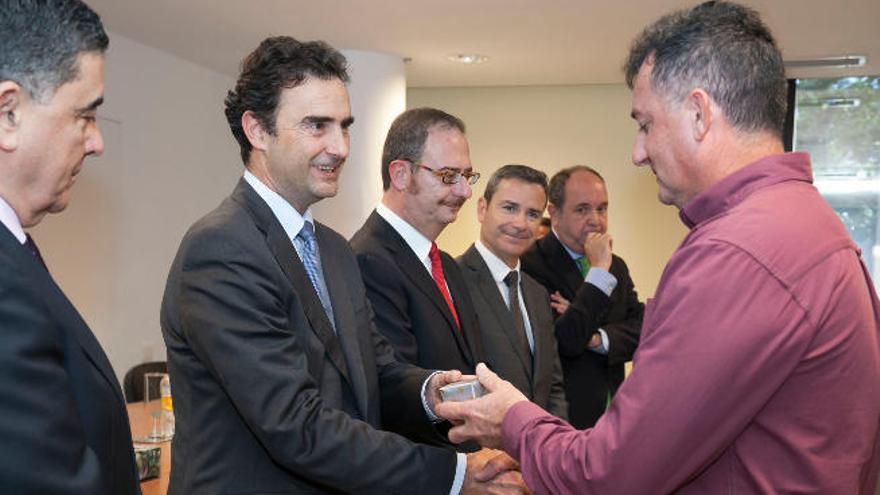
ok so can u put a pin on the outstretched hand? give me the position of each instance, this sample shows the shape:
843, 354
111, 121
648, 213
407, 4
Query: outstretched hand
480, 419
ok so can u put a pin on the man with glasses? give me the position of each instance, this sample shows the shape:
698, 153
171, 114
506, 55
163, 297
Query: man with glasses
280, 377
420, 299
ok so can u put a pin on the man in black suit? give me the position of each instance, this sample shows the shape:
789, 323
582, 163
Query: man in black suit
516, 322
599, 315
280, 377
64, 426
420, 299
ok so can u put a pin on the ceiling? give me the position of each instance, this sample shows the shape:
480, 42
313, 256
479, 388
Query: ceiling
529, 42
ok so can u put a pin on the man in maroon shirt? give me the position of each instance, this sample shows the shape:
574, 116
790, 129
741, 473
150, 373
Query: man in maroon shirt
758, 369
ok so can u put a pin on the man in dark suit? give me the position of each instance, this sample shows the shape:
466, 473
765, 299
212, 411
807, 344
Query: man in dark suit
599, 315
64, 426
516, 322
280, 378
420, 299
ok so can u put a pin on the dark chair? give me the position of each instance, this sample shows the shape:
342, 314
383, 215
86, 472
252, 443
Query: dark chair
133, 383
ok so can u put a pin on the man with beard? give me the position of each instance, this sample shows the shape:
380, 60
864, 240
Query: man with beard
599, 330
421, 302
64, 426
516, 322
280, 377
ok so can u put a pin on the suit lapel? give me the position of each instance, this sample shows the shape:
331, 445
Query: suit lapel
69, 316
534, 300
487, 286
346, 326
419, 276
285, 254
560, 262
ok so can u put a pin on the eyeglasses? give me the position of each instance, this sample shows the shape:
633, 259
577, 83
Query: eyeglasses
451, 176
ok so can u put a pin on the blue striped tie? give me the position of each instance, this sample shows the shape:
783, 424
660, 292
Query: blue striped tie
311, 259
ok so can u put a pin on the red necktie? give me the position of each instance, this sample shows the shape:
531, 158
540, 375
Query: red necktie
440, 280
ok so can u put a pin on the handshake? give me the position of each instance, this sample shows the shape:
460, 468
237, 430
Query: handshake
452, 396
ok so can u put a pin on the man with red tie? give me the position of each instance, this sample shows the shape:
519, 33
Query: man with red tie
420, 299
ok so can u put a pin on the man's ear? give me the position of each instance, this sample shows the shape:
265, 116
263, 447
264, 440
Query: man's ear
255, 131
551, 211
700, 112
400, 173
481, 208
11, 99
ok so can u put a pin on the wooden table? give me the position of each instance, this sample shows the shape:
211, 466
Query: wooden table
140, 426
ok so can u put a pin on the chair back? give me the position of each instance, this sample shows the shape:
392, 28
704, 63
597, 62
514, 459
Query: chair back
133, 383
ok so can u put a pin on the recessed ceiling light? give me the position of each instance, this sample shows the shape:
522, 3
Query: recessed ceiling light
468, 58
829, 63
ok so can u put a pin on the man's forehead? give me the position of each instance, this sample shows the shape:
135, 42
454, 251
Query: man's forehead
317, 96
449, 144
517, 186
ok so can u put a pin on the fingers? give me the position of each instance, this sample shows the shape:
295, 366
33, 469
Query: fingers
489, 380
459, 434
499, 463
447, 377
453, 411
510, 482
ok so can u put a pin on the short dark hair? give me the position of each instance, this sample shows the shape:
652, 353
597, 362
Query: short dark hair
560, 179
279, 63
723, 48
519, 172
408, 133
41, 41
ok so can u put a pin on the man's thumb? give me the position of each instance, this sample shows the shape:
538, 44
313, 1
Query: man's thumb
489, 380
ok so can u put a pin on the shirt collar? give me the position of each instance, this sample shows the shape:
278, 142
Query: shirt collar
571, 253
497, 268
291, 221
416, 241
11, 221
731, 190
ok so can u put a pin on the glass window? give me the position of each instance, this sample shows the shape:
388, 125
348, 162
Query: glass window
838, 122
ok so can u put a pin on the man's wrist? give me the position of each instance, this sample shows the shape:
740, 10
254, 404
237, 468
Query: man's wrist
426, 404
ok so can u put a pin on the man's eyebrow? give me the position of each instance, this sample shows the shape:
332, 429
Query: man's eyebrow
315, 119
320, 119
91, 106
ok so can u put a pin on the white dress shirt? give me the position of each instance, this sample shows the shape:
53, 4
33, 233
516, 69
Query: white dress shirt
499, 271
10, 220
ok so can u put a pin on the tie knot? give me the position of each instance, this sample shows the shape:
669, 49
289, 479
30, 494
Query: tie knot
512, 278
307, 232
583, 264
434, 255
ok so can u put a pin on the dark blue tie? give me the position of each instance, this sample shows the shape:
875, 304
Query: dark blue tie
311, 259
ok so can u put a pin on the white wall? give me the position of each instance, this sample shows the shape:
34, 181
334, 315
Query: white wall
170, 158
378, 95
553, 127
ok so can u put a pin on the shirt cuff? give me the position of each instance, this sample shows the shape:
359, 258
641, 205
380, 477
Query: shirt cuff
460, 469
428, 412
602, 279
604, 346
